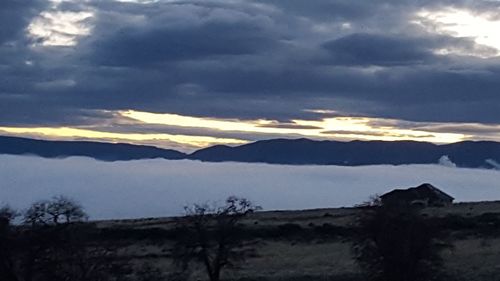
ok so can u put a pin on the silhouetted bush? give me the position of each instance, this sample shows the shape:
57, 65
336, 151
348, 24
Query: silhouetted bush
153, 234
489, 218
457, 222
289, 229
330, 230
398, 244
7, 245
487, 224
149, 272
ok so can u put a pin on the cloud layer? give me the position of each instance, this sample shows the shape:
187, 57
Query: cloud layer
74, 63
150, 188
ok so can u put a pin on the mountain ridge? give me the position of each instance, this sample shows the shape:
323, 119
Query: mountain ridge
97, 150
302, 151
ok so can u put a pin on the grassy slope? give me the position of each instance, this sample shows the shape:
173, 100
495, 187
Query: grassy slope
288, 252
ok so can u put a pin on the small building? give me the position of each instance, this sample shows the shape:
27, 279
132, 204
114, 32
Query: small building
423, 195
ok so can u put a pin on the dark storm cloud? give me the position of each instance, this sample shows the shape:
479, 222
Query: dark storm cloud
247, 60
14, 17
365, 49
325, 10
361, 10
138, 48
369, 49
472, 128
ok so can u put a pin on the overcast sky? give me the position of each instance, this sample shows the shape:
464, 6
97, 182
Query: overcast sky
187, 74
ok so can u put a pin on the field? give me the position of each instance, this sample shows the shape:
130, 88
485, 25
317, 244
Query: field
316, 244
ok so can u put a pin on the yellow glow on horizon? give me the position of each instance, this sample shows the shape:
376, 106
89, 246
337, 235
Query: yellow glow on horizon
328, 128
334, 128
360, 128
65, 132
252, 126
463, 23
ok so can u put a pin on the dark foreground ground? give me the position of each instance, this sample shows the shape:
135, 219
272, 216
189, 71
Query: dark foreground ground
316, 244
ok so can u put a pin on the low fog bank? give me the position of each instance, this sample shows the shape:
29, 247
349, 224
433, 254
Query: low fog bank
150, 188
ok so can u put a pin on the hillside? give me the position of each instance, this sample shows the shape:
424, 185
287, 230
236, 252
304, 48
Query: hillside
316, 244
96, 150
480, 154
353, 153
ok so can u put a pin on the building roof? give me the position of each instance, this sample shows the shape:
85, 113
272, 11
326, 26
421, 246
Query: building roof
422, 191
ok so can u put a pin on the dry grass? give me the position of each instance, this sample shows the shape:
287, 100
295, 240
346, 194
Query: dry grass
473, 257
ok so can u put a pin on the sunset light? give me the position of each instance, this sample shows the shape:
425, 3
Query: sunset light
339, 128
162, 140
482, 28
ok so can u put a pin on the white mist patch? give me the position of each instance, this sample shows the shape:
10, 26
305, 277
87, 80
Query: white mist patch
445, 161
493, 163
150, 188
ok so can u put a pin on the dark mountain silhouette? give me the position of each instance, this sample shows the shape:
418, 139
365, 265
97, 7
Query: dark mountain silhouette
353, 153
479, 154
97, 150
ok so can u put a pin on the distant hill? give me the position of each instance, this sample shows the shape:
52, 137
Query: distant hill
353, 153
97, 150
480, 154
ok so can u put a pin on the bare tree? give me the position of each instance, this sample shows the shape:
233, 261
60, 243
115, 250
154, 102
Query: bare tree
212, 235
65, 209
58, 246
59, 209
372, 201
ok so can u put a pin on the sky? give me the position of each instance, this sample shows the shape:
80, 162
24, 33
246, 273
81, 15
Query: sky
190, 74
119, 190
